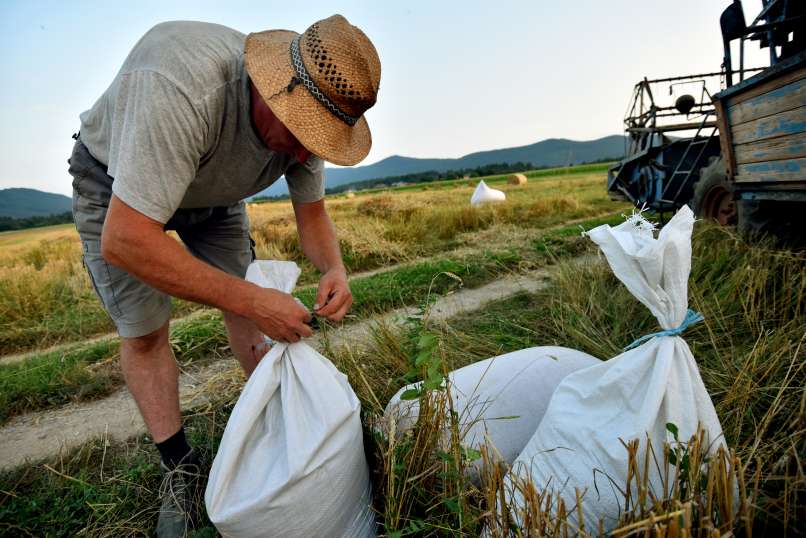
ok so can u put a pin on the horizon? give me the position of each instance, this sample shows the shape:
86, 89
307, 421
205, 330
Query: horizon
539, 70
334, 167
480, 150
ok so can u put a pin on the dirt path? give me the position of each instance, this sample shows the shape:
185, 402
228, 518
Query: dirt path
40, 435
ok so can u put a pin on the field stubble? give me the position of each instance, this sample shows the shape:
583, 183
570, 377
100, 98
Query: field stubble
749, 349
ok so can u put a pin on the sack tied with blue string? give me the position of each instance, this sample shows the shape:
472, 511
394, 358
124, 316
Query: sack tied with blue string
578, 444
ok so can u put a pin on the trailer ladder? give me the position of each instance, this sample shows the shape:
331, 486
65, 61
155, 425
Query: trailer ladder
702, 143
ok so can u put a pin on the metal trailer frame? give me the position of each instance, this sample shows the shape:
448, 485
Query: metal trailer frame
659, 171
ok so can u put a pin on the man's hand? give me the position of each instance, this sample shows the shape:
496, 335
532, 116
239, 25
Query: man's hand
318, 238
333, 299
280, 316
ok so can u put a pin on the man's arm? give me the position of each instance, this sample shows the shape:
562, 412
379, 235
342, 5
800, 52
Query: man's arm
139, 245
317, 236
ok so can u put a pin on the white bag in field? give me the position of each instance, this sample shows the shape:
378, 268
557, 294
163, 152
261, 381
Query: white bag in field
291, 462
484, 194
500, 400
632, 396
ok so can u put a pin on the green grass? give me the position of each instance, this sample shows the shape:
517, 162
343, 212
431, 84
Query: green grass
750, 350
411, 284
87, 372
55, 378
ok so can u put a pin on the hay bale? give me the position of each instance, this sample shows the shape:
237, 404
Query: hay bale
517, 179
350, 194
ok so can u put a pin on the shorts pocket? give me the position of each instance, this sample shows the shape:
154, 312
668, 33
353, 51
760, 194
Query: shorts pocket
78, 165
89, 176
106, 279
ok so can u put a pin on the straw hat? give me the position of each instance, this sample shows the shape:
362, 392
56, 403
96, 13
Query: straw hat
319, 84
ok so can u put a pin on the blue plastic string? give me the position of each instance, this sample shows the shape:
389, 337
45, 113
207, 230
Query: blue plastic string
691, 318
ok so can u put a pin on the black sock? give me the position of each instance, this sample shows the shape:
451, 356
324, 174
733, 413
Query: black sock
174, 449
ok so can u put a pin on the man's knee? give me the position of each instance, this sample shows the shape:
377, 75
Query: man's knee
242, 334
148, 343
230, 318
238, 326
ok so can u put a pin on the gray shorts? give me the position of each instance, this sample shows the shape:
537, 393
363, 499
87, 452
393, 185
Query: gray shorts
216, 235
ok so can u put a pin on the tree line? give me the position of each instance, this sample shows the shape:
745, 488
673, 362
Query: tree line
421, 177
434, 175
10, 223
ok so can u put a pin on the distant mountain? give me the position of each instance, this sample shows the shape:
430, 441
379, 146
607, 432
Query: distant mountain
548, 153
22, 203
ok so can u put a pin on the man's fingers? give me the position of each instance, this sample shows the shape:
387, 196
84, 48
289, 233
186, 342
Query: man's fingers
303, 330
294, 332
341, 307
306, 316
321, 296
336, 301
341, 312
328, 304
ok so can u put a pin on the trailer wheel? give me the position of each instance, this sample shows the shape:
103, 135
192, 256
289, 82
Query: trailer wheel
784, 221
713, 196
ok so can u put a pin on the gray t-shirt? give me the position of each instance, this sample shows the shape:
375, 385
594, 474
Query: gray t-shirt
175, 127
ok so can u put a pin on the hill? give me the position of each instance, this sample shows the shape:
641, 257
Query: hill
546, 153
23, 203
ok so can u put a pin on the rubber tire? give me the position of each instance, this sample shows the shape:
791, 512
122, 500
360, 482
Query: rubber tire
782, 222
710, 176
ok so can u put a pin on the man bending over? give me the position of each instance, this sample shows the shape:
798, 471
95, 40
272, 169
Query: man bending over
199, 118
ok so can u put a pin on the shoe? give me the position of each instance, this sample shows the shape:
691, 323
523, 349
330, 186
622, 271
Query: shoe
181, 495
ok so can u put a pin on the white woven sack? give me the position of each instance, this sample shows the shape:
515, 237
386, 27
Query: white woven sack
499, 401
632, 396
291, 462
484, 195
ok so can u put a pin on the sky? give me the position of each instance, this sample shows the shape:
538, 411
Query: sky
457, 77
